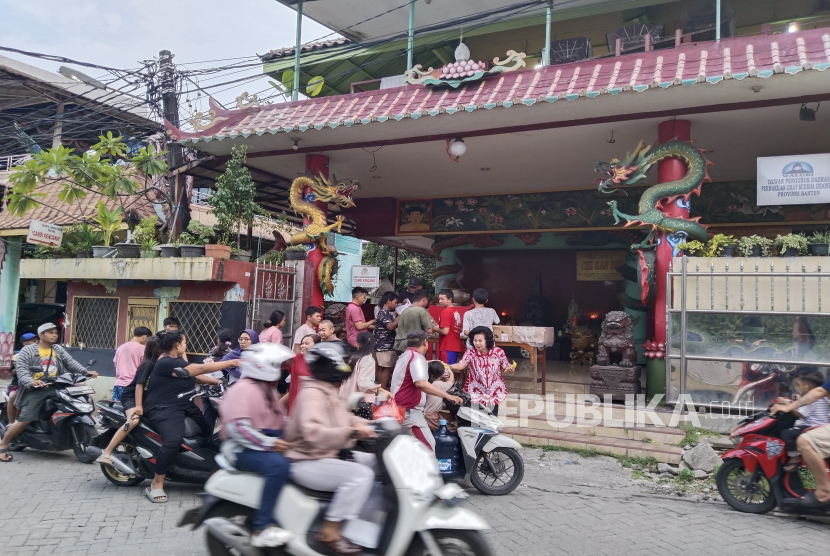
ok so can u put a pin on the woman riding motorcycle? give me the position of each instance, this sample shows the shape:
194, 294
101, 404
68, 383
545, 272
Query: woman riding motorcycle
167, 404
253, 419
321, 432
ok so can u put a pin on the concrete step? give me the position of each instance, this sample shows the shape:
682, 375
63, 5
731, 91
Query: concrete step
617, 446
646, 434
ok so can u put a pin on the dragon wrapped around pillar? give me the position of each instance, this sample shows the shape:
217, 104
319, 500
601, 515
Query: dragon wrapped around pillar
317, 230
632, 170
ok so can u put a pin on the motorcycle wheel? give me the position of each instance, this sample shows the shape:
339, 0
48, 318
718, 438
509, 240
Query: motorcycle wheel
117, 478
240, 515
452, 543
736, 488
509, 467
83, 435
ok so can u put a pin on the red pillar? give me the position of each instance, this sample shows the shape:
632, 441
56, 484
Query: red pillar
667, 170
317, 165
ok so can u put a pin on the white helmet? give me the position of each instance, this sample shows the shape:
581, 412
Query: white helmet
264, 361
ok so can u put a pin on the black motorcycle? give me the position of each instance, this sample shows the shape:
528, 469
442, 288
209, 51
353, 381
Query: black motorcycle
64, 423
134, 460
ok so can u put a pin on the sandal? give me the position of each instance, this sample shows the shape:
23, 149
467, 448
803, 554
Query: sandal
105, 459
341, 545
809, 500
6, 451
155, 495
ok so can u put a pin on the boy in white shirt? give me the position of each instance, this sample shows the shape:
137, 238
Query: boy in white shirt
479, 316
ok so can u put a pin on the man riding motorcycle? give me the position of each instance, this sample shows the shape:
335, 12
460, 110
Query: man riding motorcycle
814, 446
53, 361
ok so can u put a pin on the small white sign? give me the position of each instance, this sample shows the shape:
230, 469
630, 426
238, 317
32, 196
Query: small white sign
43, 233
794, 180
365, 276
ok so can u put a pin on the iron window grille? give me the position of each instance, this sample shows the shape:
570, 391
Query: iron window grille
199, 321
95, 322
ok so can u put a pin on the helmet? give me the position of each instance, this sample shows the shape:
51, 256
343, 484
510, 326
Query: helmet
327, 362
264, 361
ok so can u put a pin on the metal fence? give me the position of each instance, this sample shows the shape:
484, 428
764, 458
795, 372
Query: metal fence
274, 288
10, 161
199, 320
95, 322
739, 329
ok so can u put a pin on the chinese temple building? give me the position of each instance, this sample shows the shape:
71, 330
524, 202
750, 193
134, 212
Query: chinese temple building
475, 127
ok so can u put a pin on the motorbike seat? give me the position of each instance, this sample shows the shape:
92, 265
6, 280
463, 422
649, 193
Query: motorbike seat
311, 493
191, 429
117, 406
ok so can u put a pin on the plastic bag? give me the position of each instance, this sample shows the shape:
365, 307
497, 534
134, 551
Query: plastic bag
389, 409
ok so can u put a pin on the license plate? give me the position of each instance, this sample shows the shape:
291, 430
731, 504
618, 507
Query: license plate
79, 390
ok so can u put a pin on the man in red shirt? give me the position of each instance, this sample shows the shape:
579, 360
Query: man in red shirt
410, 386
355, 321
449, 328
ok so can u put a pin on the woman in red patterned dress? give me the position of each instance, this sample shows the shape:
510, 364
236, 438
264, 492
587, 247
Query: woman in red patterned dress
485, 363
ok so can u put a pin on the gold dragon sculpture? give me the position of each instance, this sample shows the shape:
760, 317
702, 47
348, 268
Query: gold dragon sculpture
317, 230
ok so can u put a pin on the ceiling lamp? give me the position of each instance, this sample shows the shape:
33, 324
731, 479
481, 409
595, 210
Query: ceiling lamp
458, 147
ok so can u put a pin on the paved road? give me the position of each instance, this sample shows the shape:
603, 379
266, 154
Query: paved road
51, 504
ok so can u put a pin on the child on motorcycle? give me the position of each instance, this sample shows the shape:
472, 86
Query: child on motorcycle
811, 415
442, 378
253, 418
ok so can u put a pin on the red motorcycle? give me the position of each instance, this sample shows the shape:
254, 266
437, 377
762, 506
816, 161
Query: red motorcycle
752, 479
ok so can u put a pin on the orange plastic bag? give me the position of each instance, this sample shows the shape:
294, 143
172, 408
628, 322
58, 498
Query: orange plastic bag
388, 409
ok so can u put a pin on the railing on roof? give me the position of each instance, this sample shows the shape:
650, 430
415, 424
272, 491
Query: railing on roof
10, 161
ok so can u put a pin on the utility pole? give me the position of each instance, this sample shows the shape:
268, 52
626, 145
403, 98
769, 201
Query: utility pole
295, 94
170, 105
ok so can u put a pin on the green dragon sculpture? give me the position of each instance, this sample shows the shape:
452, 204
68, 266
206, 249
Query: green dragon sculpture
634, 168
317, 231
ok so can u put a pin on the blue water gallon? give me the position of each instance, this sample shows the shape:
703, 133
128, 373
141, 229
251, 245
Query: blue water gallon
447, 451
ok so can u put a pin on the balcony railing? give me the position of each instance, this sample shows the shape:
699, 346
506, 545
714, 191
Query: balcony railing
10, 161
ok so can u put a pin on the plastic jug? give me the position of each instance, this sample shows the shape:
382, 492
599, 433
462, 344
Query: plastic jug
447, 451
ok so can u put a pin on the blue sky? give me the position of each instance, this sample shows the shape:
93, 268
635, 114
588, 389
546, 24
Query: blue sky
119, 34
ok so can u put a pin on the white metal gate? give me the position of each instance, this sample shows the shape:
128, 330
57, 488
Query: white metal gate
740, 329
274, 288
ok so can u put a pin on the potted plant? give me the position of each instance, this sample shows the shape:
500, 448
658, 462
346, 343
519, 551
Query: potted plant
83, 237
128, 250
233, 201
192, 242
149, 248
694, 248
754, 246
110, 223
791, 245
820, 243
273, 257
296, 253
720, 245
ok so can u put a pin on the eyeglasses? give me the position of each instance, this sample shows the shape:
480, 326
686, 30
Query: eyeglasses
244, 339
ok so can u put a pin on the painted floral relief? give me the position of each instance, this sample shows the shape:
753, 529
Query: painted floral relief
720, 203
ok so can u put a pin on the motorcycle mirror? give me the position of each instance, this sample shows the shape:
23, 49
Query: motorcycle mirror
91, 362
180, 372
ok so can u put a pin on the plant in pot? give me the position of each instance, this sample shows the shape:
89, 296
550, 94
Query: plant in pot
720, 245
84, 237
791, 245
820, 243
192, 242
233, 201
694, 248
110, 222
296, 252
754, 246
273, 257
149, 247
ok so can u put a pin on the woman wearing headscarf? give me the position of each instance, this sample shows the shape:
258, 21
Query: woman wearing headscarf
247, 338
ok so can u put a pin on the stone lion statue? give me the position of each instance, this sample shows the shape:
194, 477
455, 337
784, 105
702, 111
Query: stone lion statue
617, 339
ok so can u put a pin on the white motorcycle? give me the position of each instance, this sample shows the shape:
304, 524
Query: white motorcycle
491, 462
411, 512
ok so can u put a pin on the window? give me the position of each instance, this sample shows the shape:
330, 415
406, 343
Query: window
200, 321
95, 322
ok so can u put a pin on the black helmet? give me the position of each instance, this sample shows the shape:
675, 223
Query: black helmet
327, 362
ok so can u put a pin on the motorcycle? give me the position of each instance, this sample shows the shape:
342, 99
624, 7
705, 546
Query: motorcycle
765, 383
134, 459
64, 423
752, 477
488, 457
409, 512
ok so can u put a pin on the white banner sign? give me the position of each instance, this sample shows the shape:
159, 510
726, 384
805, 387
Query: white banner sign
794, 180
43, 233
366, 276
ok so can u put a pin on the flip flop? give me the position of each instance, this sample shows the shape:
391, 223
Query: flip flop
153, 494
106, 460
809, 500
7, 451
790, 467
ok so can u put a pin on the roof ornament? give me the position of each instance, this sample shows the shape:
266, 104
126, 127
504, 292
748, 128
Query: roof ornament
247, 101
201, 122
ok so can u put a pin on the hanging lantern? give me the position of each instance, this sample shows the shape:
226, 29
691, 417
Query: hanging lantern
458, 147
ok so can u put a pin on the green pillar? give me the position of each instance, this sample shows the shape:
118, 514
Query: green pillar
410, 43
546, 51
9, 292
295, 94
446, 265
717, 20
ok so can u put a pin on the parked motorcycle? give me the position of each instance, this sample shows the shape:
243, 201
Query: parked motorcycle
134, 459
64, 423
491, 462
410, 511
762, 384
752, 477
